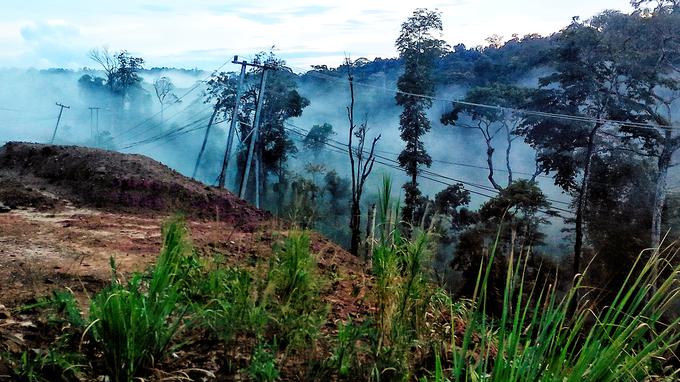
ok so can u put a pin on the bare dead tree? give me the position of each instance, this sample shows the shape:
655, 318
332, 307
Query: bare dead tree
362, 164
164, 87
109, 63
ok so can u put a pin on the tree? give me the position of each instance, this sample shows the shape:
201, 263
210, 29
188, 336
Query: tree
163, 88
492, 121
516, 212
448, 202
623, 192
361, 163
120, 68
124, 85
109, 64
338, 191
584, 86
418, 45
648, 59
517, 207
317, 137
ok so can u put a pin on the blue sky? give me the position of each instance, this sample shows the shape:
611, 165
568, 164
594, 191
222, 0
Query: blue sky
205, 33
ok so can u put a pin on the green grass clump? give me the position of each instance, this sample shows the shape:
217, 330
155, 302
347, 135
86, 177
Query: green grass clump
349, 345
134, 323
232, 308
263, 364
293, 301
542, 338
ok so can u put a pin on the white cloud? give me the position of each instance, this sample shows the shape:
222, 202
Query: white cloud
205, 33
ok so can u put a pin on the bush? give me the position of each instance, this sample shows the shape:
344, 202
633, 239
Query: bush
135, 323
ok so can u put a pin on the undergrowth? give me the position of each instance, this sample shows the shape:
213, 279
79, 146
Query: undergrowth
272, 315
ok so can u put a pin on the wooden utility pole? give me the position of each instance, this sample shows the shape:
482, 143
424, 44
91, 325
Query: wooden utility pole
61, 110
234, 120
205, 139
370, 235
253, 137
94, 133
96, 130
257, 181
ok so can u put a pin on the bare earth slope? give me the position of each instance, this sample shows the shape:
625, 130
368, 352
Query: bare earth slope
73, 208
111, 180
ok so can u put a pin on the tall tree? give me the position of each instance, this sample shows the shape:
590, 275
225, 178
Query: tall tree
648, 60
418, 45
584, 86
123, 82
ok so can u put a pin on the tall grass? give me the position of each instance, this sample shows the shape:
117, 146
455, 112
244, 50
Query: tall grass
402, 290
135, 323
536, 337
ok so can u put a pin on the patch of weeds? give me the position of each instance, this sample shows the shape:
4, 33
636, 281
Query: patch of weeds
233, 309
53, 364
297, 311
263, 364
350, 344
61, 307
134, 324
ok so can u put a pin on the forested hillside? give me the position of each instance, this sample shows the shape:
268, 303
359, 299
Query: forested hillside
511, 210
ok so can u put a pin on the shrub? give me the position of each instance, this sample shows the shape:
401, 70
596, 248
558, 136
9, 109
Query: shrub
135, 323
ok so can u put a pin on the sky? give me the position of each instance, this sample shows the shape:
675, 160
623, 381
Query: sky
204, 34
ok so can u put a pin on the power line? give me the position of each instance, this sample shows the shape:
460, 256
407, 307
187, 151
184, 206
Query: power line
178, 100
143, 132
500, 108
302, 132
181, 129
481, 186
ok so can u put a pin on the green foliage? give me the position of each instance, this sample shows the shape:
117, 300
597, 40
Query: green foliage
134, 324
281, 102
349, 344
293, 272
297, 311
53, 364
403, 292
263, 364
317, 137
229, 307
539, 339
418, 46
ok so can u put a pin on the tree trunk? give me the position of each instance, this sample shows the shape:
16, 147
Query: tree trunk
580, 210
507, 159
660, 196
355, 228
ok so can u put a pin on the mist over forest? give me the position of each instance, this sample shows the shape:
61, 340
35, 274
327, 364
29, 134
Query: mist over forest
502, 212
305, 172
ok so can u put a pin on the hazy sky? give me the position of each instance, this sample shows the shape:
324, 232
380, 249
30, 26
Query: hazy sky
206, 33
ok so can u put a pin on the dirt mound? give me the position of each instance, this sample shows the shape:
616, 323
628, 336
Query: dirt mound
42, 176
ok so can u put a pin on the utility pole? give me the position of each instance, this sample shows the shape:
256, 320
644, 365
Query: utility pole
61, 110
97, 128
253, 138
205, 139
234, 120
94, 133
370, 234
